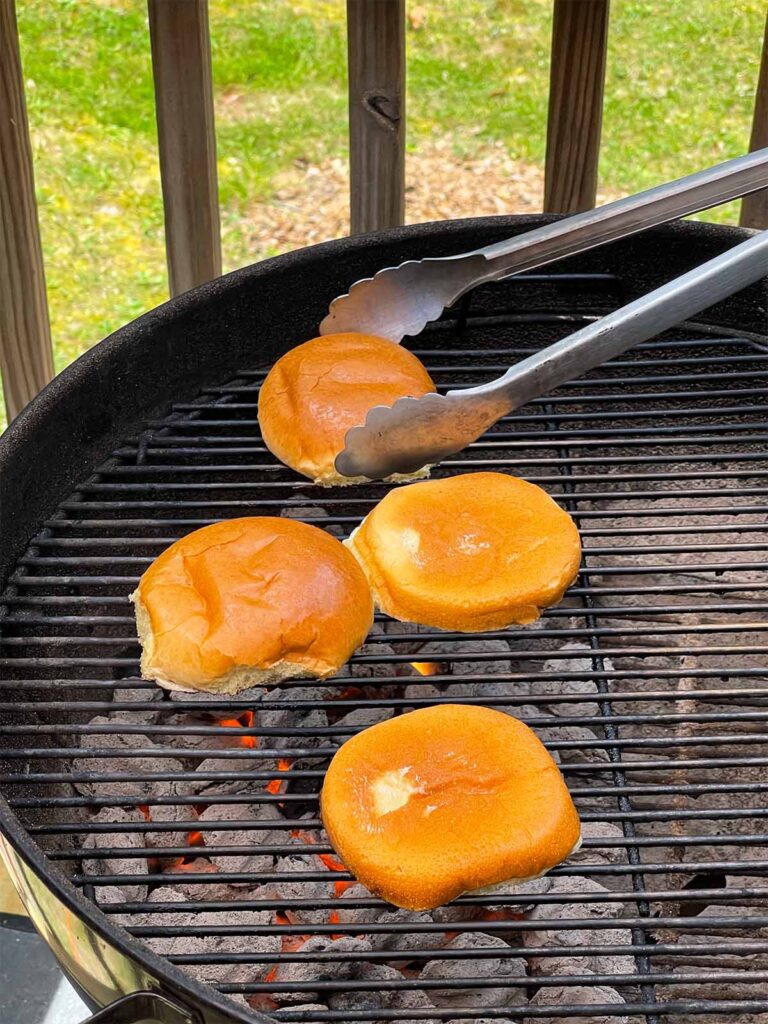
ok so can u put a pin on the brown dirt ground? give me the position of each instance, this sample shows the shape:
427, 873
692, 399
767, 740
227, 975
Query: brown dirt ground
311, 202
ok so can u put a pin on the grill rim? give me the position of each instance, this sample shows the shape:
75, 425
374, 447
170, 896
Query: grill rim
83, 455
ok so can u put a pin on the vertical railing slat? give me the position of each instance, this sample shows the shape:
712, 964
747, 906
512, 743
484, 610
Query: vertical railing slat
754, 208
26, 358
181, 66
376, 57
577, 77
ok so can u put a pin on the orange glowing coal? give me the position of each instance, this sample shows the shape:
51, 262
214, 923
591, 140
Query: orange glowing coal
198, 865
348, 693
288, 943
243, 721
426, 668
275, 786
500, 915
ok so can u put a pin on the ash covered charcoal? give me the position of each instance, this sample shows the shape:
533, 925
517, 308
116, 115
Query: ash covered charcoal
487, 970
252, 861
360, 718
373, 670
117, 841
564, 938
729, 938
386, 914
412, 999
300, 865
210, 944
203, 697
358, 915
609, 851
555, 688
121, 743
450, 652
307, 972
376, 998
137, 695
580, 995
313, 691
720, 983
168, 814
588, 749
210, 889
107, 895
414, 635
293, 719
233, 783
422, 691
407, 941
305, 1009
312, 514
514, 898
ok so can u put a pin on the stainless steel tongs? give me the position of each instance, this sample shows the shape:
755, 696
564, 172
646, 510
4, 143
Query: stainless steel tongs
402, 300
417, 432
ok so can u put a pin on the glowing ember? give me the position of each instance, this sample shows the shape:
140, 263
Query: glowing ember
243, 721
144, 809
275, 786
288, 943
195, 839
500, 915
349, 693
198, 865
426, 668
331, 862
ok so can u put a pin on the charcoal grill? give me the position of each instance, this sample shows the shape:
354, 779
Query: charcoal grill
648, 682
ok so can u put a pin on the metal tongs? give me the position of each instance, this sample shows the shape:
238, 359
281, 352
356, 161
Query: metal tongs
417, 432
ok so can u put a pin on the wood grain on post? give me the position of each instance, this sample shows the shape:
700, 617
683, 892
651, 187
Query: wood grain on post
376, 48
576, 81
26, 358
754, 208
181, 66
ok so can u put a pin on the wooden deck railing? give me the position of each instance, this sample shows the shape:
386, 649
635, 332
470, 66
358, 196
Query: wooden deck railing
181, 62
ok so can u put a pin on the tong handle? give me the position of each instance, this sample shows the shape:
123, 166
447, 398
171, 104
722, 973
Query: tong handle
625, 217
673, 302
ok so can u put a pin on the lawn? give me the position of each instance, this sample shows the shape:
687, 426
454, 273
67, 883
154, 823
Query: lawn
681, 80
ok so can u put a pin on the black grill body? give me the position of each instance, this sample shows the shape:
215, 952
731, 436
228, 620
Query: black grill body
649, 681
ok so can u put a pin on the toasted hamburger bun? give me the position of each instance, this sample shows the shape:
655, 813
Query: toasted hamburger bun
249, 602
472, 552
319, 390
446, 800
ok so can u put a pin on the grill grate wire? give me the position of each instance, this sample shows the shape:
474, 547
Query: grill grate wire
660, 456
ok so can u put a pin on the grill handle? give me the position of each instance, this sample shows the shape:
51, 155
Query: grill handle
141, 1007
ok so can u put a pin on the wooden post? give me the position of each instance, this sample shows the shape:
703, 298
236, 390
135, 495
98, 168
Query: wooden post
754, 208
376, 48
577, 77
26, 358
181, 65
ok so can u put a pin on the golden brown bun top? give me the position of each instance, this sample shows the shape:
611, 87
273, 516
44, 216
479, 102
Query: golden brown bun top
445, 800
476, 551
254, 592
319, 390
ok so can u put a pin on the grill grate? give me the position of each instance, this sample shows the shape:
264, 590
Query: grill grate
649, 683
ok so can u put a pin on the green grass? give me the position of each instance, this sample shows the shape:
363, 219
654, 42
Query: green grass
681, 80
